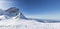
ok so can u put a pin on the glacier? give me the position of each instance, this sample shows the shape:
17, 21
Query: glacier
13, 19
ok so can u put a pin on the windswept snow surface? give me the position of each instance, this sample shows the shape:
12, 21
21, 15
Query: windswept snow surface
11, 19
26, 24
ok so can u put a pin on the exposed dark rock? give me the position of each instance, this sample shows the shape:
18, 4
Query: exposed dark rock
13, 11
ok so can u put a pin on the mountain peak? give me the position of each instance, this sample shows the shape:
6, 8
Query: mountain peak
12, 12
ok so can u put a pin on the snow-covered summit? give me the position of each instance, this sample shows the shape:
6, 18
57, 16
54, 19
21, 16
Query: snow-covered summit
12, 18
12, 12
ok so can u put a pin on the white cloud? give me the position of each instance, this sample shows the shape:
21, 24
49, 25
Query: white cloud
55, 16
6, 4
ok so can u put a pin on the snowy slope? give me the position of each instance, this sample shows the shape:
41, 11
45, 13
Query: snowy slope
27, 24
11, 19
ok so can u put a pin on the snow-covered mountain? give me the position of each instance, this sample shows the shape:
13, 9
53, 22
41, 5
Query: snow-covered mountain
12, 18
11, 12
14, 12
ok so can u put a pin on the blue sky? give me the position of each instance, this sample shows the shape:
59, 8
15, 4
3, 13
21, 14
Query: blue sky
43, 9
